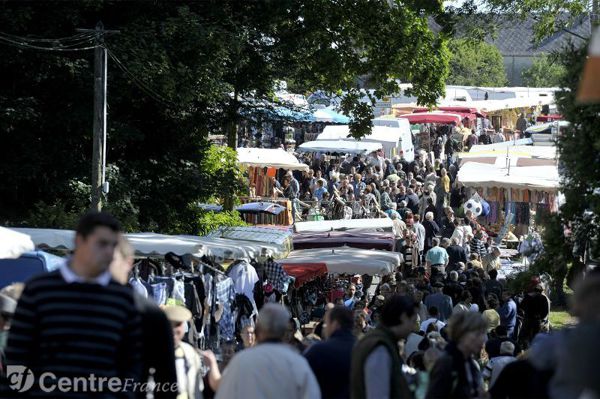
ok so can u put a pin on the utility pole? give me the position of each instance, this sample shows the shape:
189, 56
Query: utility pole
99, 183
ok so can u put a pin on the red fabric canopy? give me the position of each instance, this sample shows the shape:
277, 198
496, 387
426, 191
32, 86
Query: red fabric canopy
433, 117
549, 118
465, 112
304, 272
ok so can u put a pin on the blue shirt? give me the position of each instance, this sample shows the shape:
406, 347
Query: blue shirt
437, 256
508, 316
319, 193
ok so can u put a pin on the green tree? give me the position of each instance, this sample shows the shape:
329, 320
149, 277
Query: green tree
475, 63
545, 72
178, 71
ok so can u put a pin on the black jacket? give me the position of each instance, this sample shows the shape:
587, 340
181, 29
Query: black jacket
456, 254
331, 360
449, 379
158, 348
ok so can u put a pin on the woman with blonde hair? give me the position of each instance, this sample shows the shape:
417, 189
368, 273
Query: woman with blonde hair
456, 373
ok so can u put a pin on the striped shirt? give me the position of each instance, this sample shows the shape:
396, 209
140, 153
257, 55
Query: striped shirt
76, 329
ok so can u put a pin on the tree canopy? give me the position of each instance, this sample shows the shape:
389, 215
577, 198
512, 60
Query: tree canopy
546, 71
177, 72
475, 63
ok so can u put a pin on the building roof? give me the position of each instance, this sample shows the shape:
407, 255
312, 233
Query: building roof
516, 38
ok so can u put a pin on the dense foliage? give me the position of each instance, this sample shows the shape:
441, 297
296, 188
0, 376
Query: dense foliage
476, 63
546, 71
177, 72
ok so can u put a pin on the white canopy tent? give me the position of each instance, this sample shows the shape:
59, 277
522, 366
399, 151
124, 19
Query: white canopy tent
388, 137
267, 157
13, 244
152, 244
345, 260
525, 156
382, 224
475, 174
545, 126
341, 146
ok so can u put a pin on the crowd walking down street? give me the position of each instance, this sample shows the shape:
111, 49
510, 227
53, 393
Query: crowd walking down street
454, 333
299, 199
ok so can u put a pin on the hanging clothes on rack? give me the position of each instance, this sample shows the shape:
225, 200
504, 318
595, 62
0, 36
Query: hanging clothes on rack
244, 278
225, 295
276, 275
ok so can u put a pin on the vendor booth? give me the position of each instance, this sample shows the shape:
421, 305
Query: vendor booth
382, 224
390, 138
513, 191
263, 164
354, 238
346, 260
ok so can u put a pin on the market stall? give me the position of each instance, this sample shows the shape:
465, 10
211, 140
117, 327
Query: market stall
354, 238
304, 272
263, 165
183, 270
346, 260
389, 138
433, 117
513, 193
380, 225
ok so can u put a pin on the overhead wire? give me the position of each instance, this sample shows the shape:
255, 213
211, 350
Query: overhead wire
140, 83
72, 43
17, 41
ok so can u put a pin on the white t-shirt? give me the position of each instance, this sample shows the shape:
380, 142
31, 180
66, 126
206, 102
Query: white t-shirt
426, 323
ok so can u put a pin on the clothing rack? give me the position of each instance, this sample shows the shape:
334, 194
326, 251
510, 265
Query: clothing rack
214, 269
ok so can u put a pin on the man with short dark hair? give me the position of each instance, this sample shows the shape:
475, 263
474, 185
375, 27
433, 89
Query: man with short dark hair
77, 321
493, 286
376, 362
330, 360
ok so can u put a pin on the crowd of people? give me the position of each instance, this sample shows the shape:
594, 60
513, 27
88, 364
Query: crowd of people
433, 331
357, 187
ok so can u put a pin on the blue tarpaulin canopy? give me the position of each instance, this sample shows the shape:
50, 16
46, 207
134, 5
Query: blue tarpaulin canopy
329, 115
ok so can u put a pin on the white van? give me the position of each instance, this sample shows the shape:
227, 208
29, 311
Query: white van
394, 135
399, 129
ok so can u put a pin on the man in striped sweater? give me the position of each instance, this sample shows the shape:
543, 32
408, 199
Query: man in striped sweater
78, 321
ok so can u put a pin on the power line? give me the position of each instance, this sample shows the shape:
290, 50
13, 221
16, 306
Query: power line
30, 39
138, 82
64, 48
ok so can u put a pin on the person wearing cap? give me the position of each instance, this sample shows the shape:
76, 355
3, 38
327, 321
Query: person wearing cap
188, 361
441, 301
271, 369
